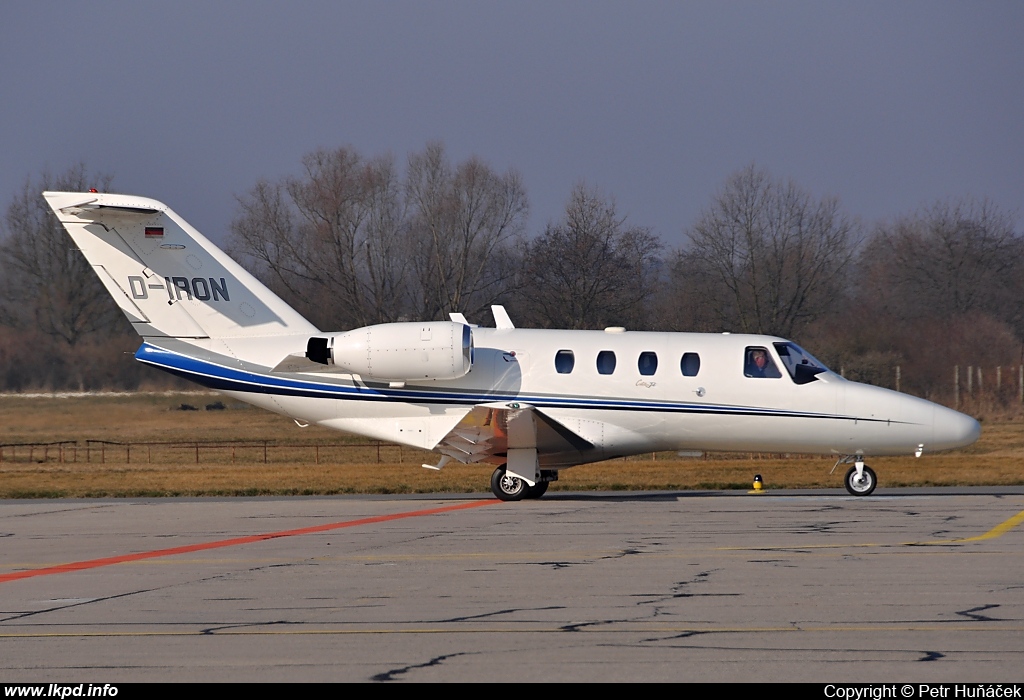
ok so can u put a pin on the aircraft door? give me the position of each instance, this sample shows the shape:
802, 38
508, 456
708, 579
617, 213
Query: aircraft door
507, 368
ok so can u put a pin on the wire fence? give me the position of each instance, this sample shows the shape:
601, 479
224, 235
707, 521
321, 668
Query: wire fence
965, 387
249, 453
977, 382
202, 452
973, 388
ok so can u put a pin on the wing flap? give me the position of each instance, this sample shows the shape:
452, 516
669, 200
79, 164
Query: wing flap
488, 431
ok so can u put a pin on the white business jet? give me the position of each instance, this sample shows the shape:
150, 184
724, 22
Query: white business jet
527, 401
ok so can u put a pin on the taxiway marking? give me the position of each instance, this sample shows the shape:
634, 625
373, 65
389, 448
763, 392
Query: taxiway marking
234, 541
998, 531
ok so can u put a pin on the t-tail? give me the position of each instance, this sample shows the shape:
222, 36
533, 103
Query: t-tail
168, 279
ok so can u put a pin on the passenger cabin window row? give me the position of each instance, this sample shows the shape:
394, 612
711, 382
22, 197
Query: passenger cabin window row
646, 363
801, 366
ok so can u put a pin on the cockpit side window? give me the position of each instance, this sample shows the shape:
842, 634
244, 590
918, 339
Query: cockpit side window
565, 360
758, 363
800, 364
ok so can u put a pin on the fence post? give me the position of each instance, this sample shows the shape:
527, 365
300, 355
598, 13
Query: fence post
980, 386
264, 451
970, 380
956, 386
999, 378
897, 377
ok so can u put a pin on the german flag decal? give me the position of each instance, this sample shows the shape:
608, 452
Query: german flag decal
154, 231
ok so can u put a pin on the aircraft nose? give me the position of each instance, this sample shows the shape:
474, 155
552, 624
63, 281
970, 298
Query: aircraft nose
954, 429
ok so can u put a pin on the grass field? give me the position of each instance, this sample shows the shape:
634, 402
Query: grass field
162, 460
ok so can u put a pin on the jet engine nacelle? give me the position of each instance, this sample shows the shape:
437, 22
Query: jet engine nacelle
398, 351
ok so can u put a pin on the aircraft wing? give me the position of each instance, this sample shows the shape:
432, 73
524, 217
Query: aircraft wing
489, 431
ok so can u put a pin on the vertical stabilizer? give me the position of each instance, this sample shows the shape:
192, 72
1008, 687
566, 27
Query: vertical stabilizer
168, 279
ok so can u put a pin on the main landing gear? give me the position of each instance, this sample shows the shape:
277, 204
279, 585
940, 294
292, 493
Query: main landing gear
860, 480
512, 488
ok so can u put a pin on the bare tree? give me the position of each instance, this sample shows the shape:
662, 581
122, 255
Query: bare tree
59, 328
350, 243
770, 254
958, 256
466, 222
47, 284
332, 242
591, 270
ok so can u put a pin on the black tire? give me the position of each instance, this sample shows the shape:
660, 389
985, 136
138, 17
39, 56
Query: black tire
507, 487
537, 490
865, 486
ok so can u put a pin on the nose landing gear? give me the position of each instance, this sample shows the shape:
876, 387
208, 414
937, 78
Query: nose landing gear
860, 480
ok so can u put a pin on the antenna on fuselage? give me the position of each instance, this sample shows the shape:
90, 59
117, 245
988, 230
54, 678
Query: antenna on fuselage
501, 319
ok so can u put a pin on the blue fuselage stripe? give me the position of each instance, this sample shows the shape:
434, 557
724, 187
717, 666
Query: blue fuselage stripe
222, 378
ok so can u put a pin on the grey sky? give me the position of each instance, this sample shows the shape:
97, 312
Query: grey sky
887, 105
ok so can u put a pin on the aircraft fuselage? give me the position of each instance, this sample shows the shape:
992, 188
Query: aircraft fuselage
621, 411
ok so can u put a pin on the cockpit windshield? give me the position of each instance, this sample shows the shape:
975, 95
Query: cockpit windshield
800, 364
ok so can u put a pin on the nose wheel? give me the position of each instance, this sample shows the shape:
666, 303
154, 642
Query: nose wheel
862, 483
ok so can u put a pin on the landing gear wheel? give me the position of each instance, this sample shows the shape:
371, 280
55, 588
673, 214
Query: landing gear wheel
537, 490
863, 486
507, 487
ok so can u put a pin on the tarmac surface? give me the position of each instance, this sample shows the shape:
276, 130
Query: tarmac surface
907, 585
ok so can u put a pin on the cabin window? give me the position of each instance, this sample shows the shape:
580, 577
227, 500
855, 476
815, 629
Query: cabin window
605, 362
758, 362
564, 361
800, 364
647, 363
690, 364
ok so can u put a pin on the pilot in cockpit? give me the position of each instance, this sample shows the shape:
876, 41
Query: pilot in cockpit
759, 364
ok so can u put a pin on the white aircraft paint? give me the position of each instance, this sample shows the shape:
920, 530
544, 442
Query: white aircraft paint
484, 395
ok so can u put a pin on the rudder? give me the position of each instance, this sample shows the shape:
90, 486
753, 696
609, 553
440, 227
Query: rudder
169, 279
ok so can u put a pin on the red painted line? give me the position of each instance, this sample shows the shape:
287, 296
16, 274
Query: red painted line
185, 549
